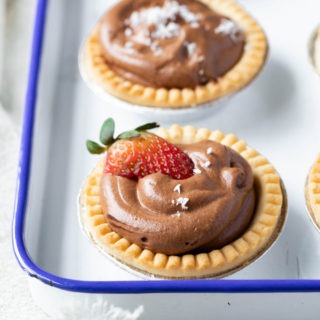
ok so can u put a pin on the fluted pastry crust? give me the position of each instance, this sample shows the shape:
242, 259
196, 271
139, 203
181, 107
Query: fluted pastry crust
97, 72
264, 229
317, 51
312, 192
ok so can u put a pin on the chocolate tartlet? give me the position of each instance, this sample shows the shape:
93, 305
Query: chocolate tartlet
312, 192
314, 49
174, 53
209, 225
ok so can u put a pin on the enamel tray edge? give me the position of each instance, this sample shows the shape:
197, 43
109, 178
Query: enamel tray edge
165, 286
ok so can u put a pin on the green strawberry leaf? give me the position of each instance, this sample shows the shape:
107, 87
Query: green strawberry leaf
107, 131
147, 126
129, 134
94, 147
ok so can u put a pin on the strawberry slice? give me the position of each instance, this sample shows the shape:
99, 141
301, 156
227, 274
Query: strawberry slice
137, 153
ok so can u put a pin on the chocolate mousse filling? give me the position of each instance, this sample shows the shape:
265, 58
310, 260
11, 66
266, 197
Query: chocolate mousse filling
204, 212
169, 44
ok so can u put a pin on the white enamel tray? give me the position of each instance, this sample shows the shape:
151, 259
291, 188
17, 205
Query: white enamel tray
278, 114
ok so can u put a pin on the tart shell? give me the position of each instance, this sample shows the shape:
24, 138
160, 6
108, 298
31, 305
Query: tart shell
96, 71
312, 192
265, 227
314, 49
317, 51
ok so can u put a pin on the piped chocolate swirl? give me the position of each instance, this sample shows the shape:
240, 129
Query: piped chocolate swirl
169, 44
204, 212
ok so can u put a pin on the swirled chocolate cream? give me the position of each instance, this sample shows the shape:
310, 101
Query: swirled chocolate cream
182, 203
206, 211
168, 43
173, 53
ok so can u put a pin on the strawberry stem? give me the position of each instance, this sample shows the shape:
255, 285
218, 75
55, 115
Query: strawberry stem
107, 138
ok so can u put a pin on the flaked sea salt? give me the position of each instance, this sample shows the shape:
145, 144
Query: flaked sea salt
129, 45
163, 19
187, 15
194, 25
128, 32
177, 188
158, 52
228, 27
140, 38
206, 164
191, 47
209, 150
177, 214
196, 171
182, 201
134, 20
167, 31
155, 49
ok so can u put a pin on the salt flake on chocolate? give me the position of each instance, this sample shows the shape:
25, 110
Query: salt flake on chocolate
228, 27
155, 49
196, 171
129, 45
191, 47
182, 201
187, 15
209, 150
194, 25
163, 19
168, 31
128, 32
177, 214
206, 164
177, 188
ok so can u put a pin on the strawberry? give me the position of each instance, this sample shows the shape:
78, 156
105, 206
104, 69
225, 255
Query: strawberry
137, 153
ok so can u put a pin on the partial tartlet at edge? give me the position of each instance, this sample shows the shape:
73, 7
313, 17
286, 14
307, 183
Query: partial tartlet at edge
312, 192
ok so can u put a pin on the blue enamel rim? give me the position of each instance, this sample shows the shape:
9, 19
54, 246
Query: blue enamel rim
151, 286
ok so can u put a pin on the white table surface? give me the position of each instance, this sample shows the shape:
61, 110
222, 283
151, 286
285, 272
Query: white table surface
16, 24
